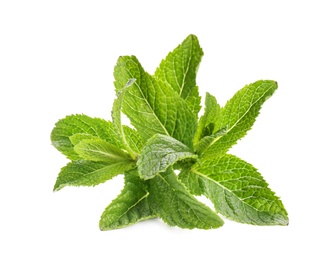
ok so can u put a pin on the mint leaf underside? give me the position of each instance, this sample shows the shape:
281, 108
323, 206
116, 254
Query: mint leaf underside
159, 153
165, 137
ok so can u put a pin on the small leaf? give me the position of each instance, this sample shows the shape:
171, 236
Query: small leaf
87, 173
159, 153
81, 124
129, 207
206, 141
239, 115
236, 189
209, 122
99, 150
179, 70
177, 207
148, 104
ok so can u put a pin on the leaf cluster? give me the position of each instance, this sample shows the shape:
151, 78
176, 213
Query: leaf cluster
167, 137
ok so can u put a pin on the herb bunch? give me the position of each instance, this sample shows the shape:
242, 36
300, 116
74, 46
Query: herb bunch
167, 138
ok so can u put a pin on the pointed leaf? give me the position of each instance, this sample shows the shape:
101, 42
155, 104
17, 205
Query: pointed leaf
87, 173
74, 124
134, 140
177, 207
99, 150
129, 207
236, 189
239, 114
148, 104
159, 153
209, 122
179, 70
116, 115
209, 125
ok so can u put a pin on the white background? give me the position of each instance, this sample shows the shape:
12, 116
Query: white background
57, 58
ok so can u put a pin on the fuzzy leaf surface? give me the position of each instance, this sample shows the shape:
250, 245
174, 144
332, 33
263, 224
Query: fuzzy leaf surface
237, 190
177, 207
87, 173
81, 124
152, 106
179, 70
239, 115
159, 153
130, 207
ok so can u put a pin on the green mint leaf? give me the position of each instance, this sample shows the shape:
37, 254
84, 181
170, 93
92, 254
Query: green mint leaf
77, 138
99, 150
81, 124
166, 135
179, 70
151, 105
207, 141
159, 153
116, 114
209, 127
177, 207
129, 207
236, 189
239, 114
87, 173
209, 122
133, 139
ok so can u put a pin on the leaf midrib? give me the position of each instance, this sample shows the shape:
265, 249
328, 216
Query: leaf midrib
146, 101
220, 185
187, 69
137, 202
109, 155
85, 175
239, 120
178, 198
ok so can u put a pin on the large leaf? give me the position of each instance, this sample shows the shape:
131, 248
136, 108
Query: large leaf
177, 207
87, 173
129, 207
238, 116
81, 124
99, 150
152, 106
236, 189
179, 70
159, 153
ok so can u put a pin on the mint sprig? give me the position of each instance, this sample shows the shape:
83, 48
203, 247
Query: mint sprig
167, 138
